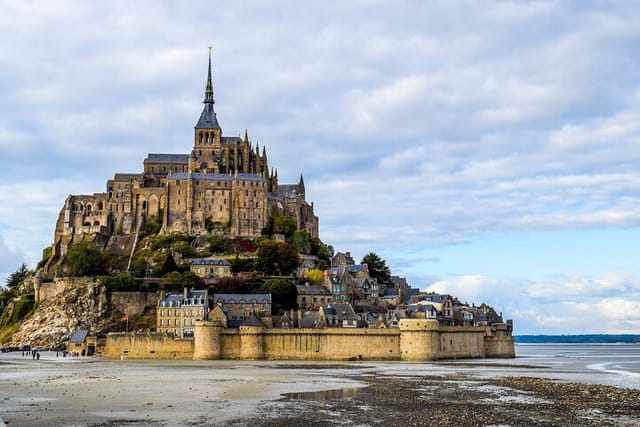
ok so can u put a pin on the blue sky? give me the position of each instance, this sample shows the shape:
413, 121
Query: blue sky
486, 149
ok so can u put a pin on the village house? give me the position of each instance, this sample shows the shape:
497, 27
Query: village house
238, 307
210, 268
312, 297
177, 313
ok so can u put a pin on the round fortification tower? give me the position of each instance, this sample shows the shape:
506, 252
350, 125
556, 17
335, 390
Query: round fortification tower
206, 337
418, 339
252, 342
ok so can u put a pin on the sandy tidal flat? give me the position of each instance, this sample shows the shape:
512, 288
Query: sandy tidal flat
54, 391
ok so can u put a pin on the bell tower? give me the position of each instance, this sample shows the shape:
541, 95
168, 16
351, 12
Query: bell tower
207, 148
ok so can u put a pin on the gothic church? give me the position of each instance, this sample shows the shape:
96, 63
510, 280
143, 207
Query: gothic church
224, 187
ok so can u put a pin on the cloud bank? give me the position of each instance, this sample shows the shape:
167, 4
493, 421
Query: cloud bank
418, 126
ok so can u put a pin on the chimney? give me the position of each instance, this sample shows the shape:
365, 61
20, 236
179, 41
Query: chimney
186, 292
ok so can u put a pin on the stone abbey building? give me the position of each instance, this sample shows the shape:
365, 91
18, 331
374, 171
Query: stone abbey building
224, 187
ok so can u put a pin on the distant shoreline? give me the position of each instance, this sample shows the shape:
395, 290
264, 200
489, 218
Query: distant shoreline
578, 339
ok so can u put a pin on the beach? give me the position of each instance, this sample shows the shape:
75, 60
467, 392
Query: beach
544, 386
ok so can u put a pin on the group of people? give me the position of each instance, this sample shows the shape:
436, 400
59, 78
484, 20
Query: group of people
35, 354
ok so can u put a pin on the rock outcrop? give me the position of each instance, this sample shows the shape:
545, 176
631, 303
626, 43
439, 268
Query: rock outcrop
82, 306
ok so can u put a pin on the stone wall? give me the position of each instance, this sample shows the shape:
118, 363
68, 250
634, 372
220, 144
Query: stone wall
47, 290
415, 340
133, 303
147, 346
332, 344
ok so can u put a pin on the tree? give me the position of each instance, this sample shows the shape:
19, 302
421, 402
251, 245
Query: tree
314, 276
241, 264
283, 294
185, 249
276, 258
172, 282
176, 281
85, 259
229, 285
283, 224
15, 278
377, 267
302, 241
168, 266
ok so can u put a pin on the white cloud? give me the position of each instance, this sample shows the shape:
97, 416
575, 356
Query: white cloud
415, 124
564, 305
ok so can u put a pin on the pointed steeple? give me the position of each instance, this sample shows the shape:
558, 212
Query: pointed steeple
208, 91
208, 119
301, 190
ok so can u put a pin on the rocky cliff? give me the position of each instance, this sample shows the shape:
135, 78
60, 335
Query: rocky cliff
55, 319
83, 305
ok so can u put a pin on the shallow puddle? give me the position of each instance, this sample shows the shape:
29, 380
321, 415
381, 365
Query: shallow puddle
324, 394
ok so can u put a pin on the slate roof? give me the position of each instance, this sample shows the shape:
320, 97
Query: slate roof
287, 189
309, 319
167, 158
252, 320
439, 298
312, 290
226, 298
127, 176
411, 292
208, 118
216, 176
79, 336
178, 299
230, 139
337, 273
343, 311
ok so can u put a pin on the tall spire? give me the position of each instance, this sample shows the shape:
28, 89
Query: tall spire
208, 119
208, 91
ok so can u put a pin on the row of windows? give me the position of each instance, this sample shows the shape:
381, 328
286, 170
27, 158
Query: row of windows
164, 169
176, 322
186, 312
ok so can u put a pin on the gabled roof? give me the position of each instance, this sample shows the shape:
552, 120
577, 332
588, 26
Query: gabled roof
343, 311
230, 140
79, 336
312, 290
309, 319
288, 189
127, 177
226, 298
216, 176
167, 158
252, 320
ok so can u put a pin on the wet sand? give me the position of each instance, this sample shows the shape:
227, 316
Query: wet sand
96, 392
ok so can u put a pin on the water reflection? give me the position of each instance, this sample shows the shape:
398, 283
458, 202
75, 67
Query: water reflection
324, 394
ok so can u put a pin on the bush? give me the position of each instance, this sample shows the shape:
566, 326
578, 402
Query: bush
121, 282
85, 259
283, 294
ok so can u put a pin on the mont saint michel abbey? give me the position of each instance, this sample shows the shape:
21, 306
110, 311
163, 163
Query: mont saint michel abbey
224, 186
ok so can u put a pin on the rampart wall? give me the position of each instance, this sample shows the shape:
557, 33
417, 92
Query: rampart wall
147, 346
415, 340
47, 290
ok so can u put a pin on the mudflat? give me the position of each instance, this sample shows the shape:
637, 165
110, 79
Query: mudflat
56, 391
